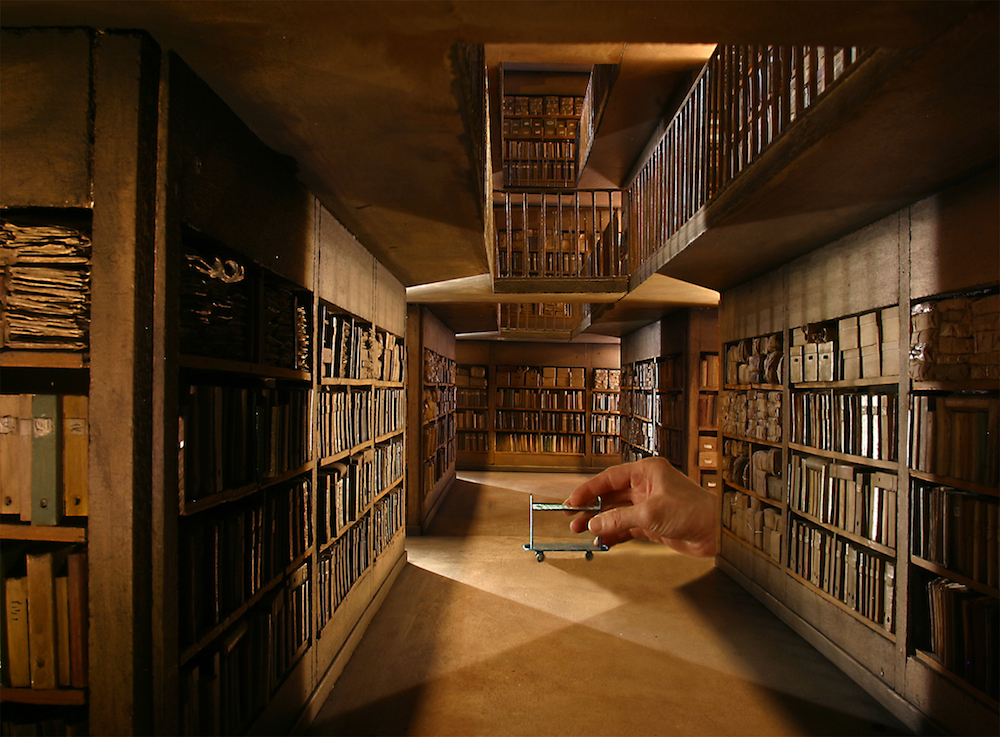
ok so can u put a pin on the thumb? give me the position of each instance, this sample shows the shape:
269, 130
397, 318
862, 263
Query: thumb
615, 525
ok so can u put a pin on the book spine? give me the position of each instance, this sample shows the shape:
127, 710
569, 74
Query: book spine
75, 455
46, 465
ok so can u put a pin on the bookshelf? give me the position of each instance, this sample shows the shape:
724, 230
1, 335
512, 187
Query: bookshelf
438, 426
224, 439
540, 410
953, 458
431, 453
670, 393
705, 463
472, 416
653, 409
44, 451
605, 418
541, 140
888, 488
751, 426
548, 406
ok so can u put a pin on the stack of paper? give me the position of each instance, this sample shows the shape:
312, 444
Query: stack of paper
45, 297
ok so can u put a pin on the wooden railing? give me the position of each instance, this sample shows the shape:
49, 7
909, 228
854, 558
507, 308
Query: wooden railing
563, 234
538, 317
744, 98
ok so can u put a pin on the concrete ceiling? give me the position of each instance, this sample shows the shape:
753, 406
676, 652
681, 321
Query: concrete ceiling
365, 96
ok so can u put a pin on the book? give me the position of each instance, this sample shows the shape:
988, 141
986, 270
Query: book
15, 463
42, 567
61, 587
17, 669
46, 462
75, 455
79, 622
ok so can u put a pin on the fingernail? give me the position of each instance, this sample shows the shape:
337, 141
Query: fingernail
595, 525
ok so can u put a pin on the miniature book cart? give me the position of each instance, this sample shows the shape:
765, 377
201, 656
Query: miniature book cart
540, 548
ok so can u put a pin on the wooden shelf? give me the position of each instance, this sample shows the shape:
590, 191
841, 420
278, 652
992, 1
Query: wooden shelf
334, 381
750, 492
389, 436
892, 381
204, 363
759, 551
874, 626
44, 359
989, 385
753, 441
44, 697
929, 660
939, 570
231, 495
761, 387
41, 533
957, 483
847, 457
857, 539
345, 453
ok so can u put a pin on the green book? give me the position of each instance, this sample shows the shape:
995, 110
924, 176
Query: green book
46, 464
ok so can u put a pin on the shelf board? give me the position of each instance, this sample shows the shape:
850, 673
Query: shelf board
854, 538
44, 359
750, 492
849, 458
930, 660
222, 497
754, 441
43, 533
44, 697
940, 570
396, 482
336, 381
956, 386
874, 626
230, 495
205, 363
345, 453
750, 547
203, 641
957, 483
848, 383
389, 435
762, 387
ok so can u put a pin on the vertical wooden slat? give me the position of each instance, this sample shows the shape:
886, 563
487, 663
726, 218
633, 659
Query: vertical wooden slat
165, 430
813, 73
126, 82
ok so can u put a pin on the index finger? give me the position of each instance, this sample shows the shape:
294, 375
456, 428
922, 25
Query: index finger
615, 478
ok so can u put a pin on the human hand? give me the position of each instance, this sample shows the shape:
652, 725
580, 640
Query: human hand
649, 499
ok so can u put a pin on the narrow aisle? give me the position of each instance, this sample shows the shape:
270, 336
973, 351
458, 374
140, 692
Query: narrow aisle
477, 638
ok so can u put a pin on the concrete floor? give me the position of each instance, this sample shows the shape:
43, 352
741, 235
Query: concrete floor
477, 638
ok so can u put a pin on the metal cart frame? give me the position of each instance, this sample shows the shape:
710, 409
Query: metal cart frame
539, 549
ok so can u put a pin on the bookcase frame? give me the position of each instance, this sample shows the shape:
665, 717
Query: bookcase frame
535, 358
894, 262
144, 145
685, 338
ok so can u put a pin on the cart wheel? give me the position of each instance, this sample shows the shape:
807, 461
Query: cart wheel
540, 556
590, 555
